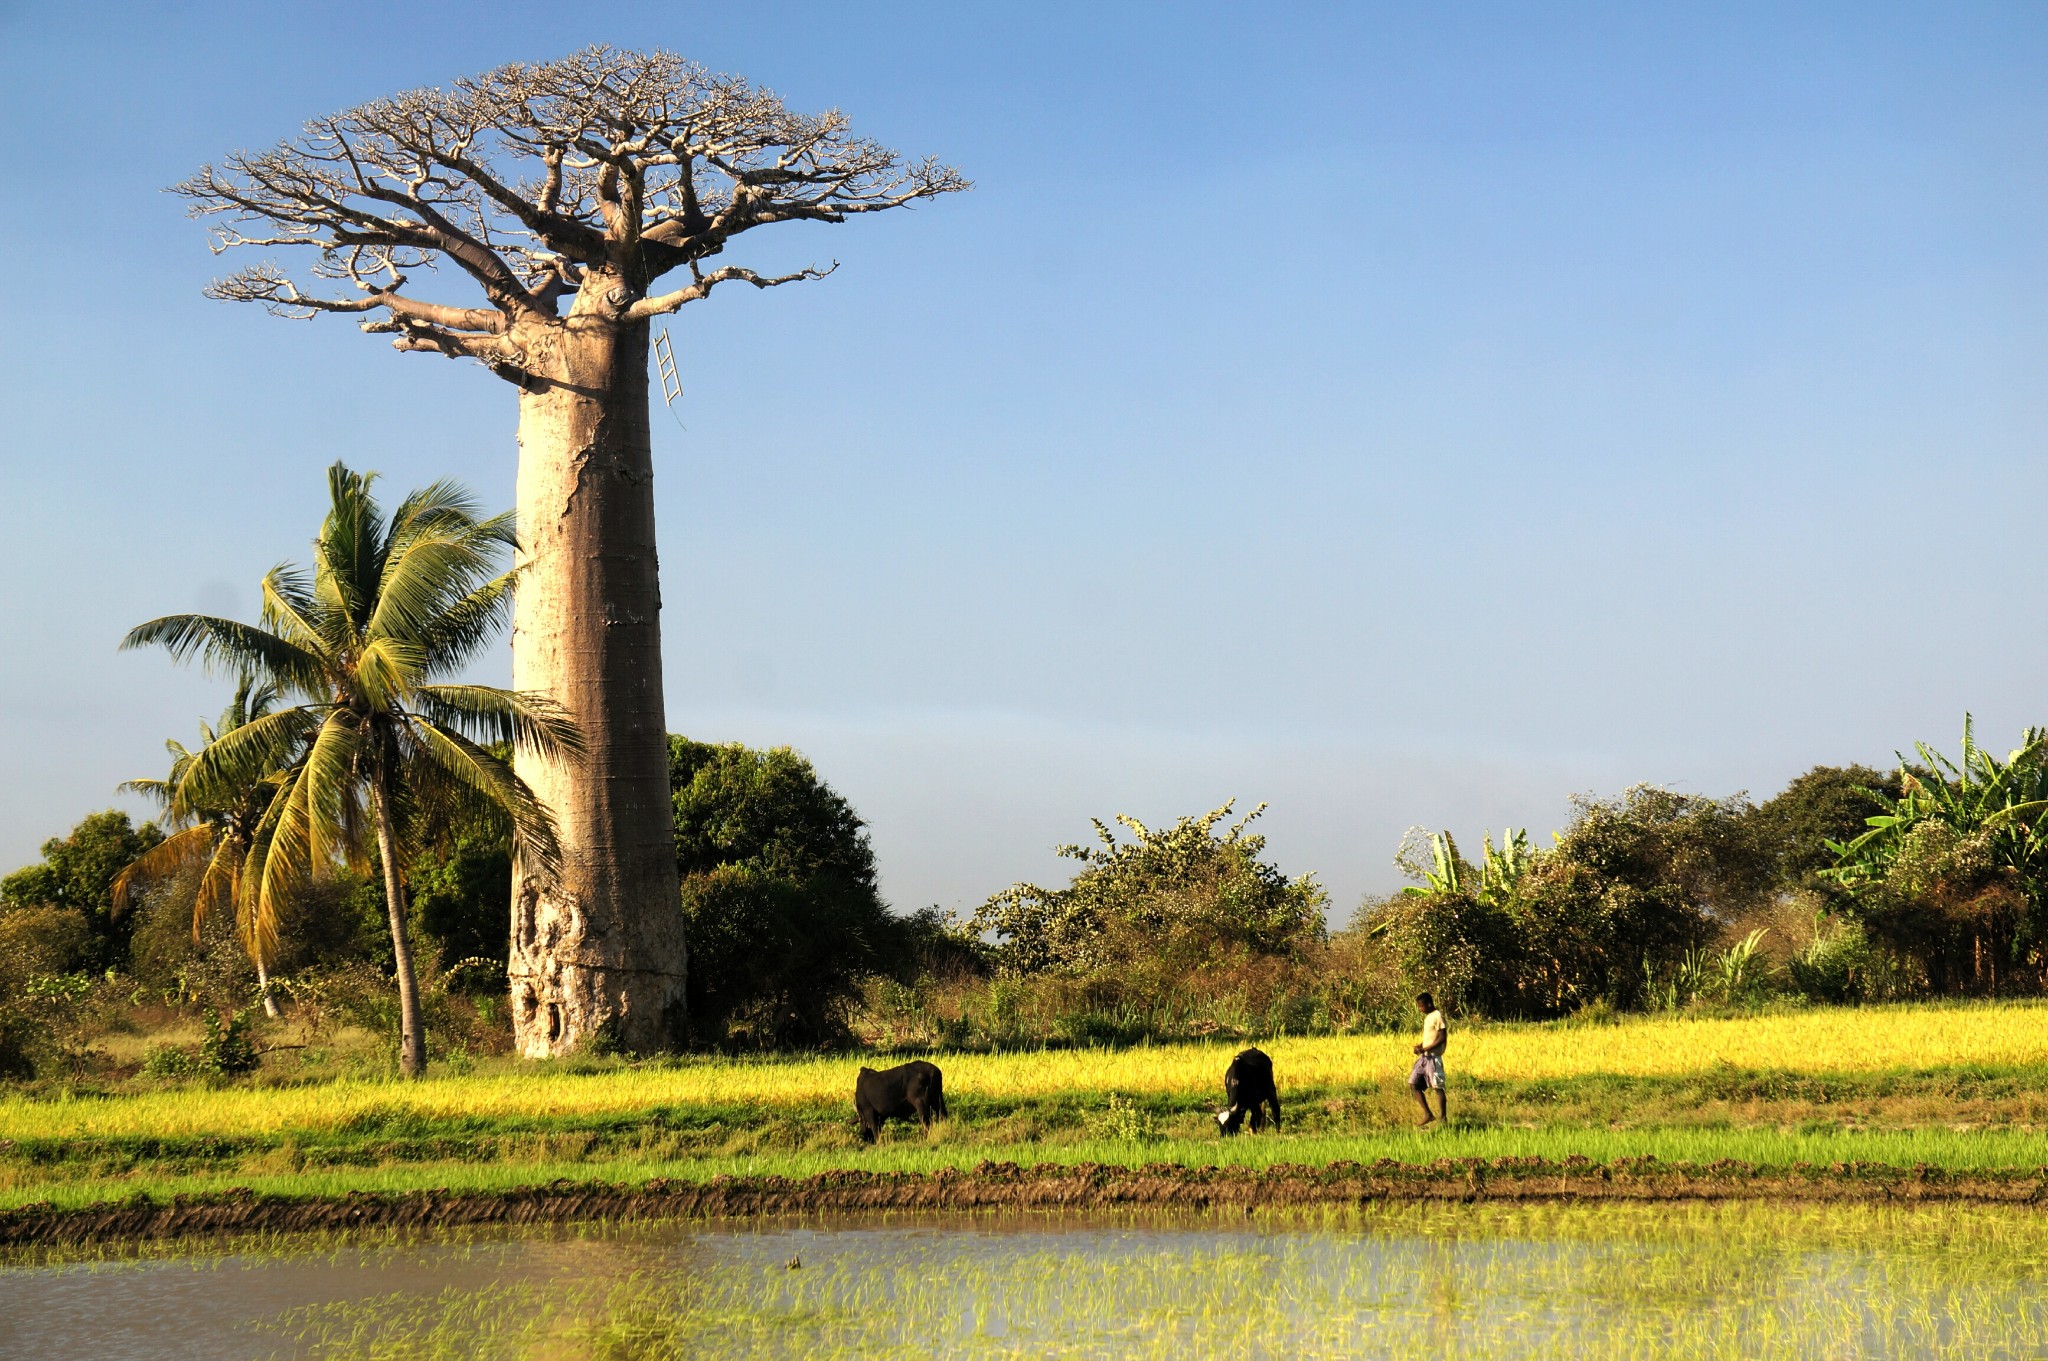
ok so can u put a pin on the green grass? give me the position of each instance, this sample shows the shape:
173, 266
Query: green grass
1818, 1091
1946, 1150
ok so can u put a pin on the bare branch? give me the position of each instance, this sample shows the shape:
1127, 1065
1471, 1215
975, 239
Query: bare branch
588, 177
704, 283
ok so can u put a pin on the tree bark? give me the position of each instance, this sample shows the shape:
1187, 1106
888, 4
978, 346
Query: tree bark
412, 1034
598, 955
263, 990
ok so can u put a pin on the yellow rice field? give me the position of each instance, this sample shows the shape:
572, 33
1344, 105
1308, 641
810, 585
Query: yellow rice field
1998, 1034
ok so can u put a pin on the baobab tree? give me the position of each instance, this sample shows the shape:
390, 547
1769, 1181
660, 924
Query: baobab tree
563, 194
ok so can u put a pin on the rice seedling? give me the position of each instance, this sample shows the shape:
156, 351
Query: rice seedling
1610, 1281
1947, 1151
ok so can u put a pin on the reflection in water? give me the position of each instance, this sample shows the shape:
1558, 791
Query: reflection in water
1484, 1280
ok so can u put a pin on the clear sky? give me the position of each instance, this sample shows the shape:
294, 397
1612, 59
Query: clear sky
1396, 413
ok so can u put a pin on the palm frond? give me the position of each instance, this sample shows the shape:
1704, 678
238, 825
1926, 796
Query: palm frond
486, 777
223, 644
292, 609
446, 509
386, 671
330, 770
157, 791
221, 775
348, 556
425, 578
254, 697
172, 856
216, 886
531, 721
469, 625
279, 864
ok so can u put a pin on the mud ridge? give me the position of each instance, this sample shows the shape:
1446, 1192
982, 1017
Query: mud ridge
991, 1185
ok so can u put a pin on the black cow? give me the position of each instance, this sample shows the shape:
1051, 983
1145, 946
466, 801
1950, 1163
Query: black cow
913, 1091
1248, 1082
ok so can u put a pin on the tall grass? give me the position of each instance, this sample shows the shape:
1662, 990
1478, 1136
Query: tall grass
1842, 1040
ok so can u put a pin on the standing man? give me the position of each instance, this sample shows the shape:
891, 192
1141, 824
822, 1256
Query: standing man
1428, 1071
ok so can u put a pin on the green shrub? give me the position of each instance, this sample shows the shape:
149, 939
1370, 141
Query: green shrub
779, 900
77, 874
1187, 893
227, 1050
1612, 911
169, 1061
1124, 1119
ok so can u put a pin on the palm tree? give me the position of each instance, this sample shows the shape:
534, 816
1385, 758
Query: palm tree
214, 838
385, 749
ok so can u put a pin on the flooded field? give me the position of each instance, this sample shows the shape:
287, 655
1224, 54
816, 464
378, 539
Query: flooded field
1609, 1280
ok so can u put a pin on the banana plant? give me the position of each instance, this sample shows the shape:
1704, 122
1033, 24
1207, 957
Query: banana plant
1977, 794
1446, 872
1500, 870
1742, 966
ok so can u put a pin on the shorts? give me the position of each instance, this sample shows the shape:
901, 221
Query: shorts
1427, 1073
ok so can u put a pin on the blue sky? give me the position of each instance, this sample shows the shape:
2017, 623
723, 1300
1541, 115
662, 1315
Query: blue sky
1398, 417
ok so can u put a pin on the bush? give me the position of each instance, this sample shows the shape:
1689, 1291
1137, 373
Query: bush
1125, 1120
461, 906
77, 874
1182, 896
1347, 984
1465, 950
779, 900
212, 968
1953, 876
42, 940
169, 1061
1632, 886
227, 1050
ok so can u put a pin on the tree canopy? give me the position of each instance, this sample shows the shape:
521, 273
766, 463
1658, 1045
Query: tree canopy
1627, 889
778, 885
1187, 887
77, 874
1953, 871
590, 177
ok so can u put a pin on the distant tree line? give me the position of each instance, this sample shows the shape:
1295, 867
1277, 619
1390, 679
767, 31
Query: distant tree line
1852, 884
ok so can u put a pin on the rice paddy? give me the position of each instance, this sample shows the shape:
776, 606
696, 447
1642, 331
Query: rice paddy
1609, 1281
1984, 1036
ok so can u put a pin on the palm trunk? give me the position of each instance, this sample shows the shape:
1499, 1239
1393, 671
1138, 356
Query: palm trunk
263, 989
598, 954
412, 1033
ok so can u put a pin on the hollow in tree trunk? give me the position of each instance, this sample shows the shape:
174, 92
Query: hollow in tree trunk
597, 955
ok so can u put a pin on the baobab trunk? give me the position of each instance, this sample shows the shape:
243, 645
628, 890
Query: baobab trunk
588, 179
599, 952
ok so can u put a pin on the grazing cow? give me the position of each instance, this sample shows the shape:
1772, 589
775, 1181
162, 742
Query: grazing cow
913, 1091
1249, 1084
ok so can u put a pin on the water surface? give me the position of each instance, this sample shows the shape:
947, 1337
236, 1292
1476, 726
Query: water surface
1463, 1281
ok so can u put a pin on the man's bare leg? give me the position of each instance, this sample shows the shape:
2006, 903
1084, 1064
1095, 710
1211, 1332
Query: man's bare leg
1422, 1100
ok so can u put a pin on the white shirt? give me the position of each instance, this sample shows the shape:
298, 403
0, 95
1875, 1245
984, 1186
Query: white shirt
1433, 1031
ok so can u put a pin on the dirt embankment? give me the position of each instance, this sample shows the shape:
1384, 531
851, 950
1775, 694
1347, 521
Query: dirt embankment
1008, 1186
